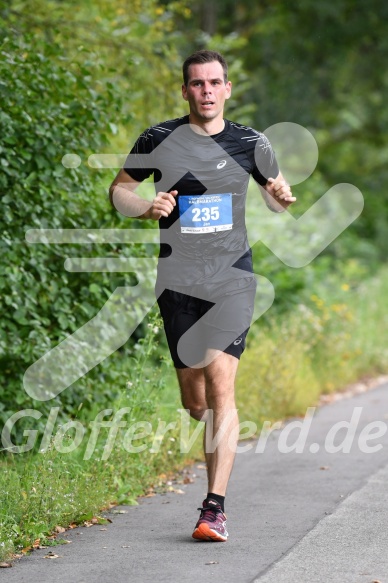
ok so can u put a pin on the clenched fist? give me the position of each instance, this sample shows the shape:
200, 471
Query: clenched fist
280, 191
162, 205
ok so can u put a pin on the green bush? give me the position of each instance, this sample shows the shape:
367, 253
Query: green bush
326, 342
51, 106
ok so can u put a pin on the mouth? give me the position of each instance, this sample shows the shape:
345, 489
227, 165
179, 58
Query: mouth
207, 103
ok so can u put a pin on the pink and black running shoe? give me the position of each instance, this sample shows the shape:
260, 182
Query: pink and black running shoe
211, 525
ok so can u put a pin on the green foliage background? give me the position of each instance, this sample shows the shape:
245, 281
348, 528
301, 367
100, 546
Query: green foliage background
89, 76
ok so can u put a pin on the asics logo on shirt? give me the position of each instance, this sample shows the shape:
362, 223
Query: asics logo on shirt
221, 164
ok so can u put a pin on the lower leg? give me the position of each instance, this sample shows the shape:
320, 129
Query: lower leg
208, 394
221, 432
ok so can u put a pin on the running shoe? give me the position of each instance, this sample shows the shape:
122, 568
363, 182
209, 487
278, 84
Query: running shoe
211, 525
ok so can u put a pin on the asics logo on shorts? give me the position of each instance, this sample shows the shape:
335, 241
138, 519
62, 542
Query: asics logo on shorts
238, 341
221, 164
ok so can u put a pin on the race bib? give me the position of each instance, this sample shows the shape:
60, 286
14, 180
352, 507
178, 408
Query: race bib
207, 213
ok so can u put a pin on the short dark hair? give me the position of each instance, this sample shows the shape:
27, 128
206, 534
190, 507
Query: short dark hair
201, 57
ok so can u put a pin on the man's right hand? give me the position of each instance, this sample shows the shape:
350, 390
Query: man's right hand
162, 205
128, 203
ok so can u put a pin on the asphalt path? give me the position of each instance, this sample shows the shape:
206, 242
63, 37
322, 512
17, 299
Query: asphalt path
293, 517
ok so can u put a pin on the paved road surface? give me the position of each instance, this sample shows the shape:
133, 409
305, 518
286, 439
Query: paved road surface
289, 520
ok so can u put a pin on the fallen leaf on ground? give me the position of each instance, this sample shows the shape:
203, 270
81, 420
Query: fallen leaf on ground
201, 467
324, 467
27, 549
188, 480
175, 490
5, 565
212, 563
51, 556
59, 529
120, 511
125, 547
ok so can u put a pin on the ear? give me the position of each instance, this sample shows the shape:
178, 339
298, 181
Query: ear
228, 86
184, 92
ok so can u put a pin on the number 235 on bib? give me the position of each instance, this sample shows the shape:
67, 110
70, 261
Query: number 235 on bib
206, 213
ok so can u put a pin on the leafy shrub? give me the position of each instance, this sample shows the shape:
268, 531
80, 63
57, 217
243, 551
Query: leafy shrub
51, 106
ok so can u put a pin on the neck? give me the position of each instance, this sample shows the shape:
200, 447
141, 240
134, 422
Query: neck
209, 127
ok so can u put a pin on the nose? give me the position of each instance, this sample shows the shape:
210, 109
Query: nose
207, 88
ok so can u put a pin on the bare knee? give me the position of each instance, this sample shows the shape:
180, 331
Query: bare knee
196, 410
199, 414
192, 385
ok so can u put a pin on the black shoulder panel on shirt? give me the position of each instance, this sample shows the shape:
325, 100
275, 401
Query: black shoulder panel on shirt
154, 135
250, 137
147, 142
258, 149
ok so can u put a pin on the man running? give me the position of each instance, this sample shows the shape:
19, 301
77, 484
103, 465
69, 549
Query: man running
205, 286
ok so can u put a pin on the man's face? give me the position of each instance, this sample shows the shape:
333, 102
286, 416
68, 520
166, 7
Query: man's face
206, 91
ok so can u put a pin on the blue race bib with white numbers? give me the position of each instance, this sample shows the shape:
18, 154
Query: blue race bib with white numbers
206, 213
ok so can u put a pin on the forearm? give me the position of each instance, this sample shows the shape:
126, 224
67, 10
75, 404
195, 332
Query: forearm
271, 202
128, 203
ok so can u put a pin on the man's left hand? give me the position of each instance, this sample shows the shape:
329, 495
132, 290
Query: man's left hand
280, 192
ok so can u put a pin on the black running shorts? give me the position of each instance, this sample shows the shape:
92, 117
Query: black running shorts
207, 316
